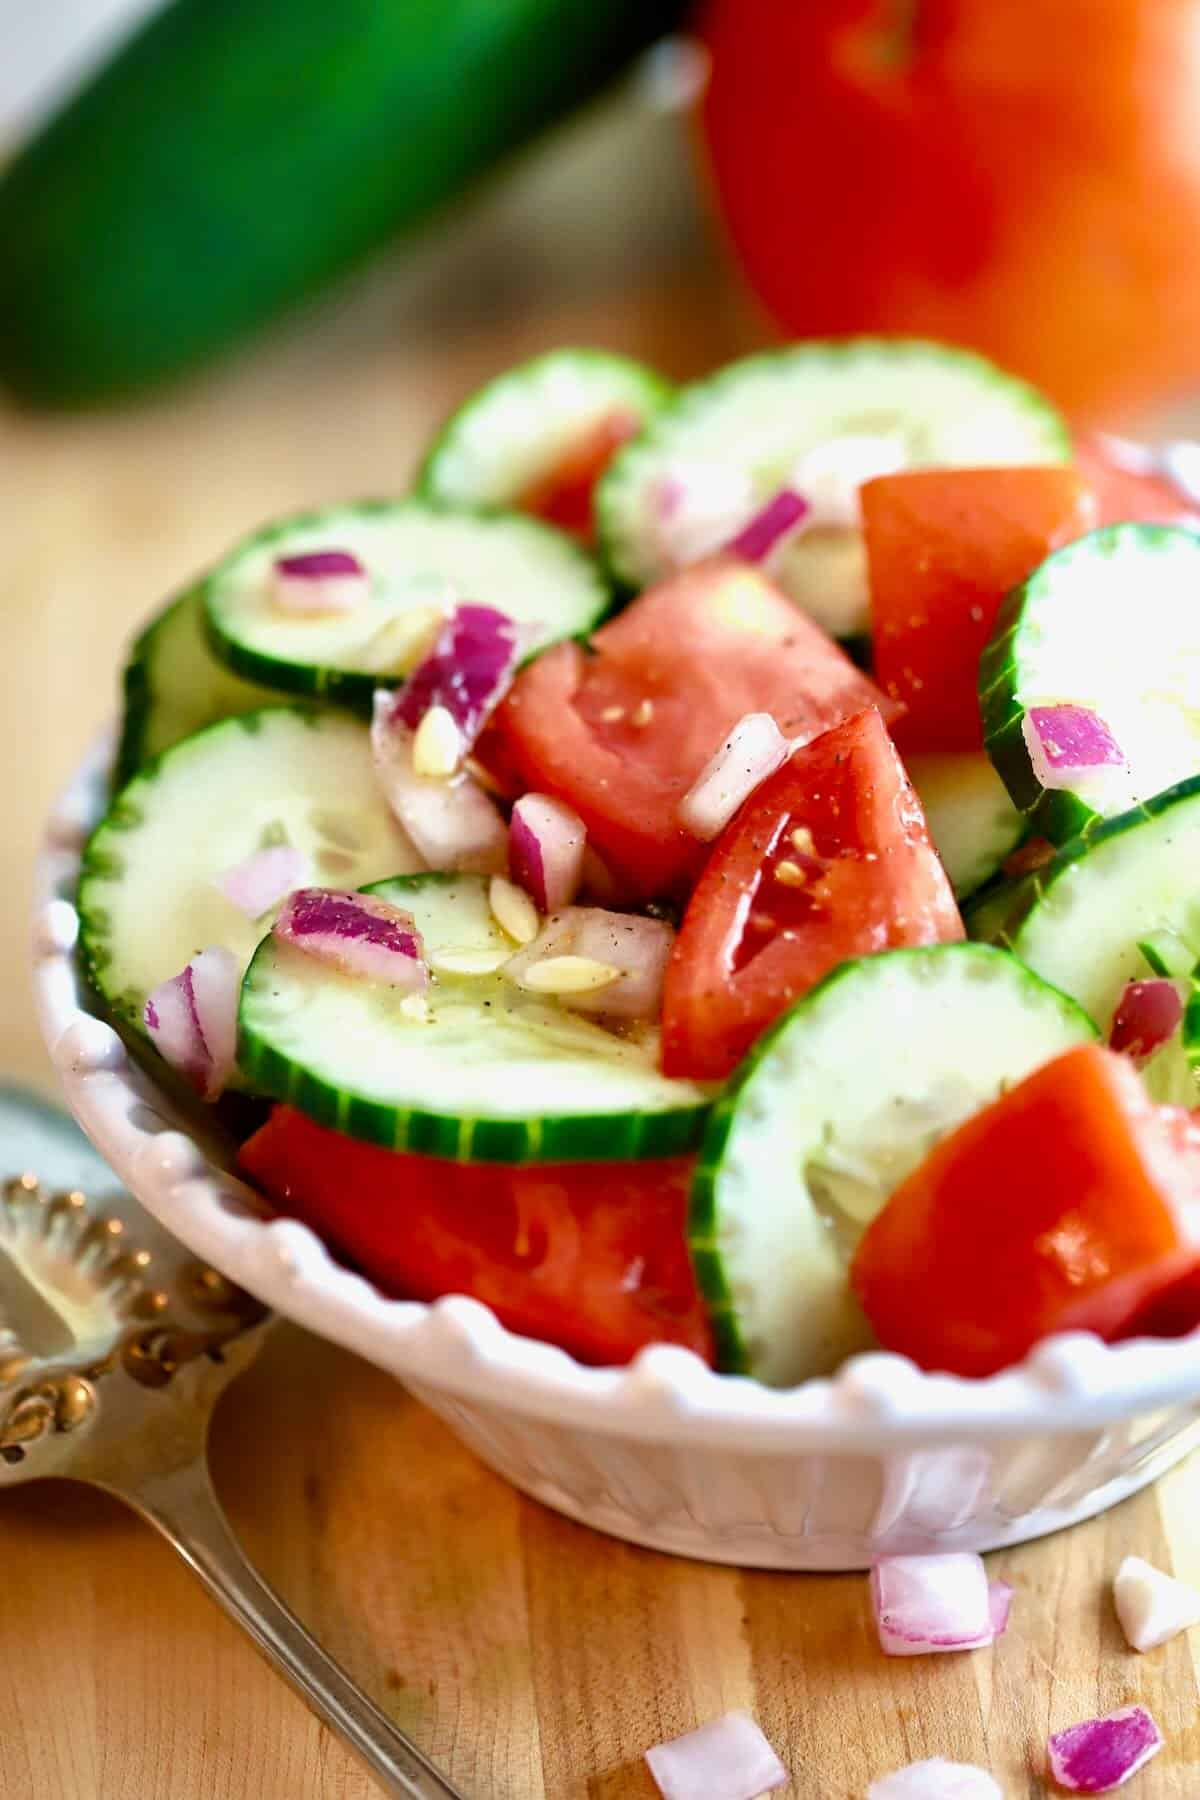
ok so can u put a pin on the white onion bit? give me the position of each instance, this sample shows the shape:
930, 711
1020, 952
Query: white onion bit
1000, 1599
936, 1779
754, 749
831, 473
453, 824
1151, 1606
1102, 1754
927, 1604
262, 880
192, 1020
636, 948
727, 1760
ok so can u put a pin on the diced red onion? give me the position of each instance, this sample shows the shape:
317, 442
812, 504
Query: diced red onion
1065, 742
1102, 1754
727, 1760
546, 841
754, 749
468, 671
695, 507
453, 824
936, 1779
924, 1604
1152, 1607
319, 581
1148, 1015
832, 472
770, 526
262, 879
360, 934
192, 1020
1000, 1599
638, 947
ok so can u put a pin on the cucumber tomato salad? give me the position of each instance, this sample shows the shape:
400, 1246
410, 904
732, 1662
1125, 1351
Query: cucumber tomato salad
716, 865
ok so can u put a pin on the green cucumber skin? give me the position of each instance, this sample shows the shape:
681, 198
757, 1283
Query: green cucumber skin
340, 687
998, 916
659, 392
1053, 813
604, 1137
231, 160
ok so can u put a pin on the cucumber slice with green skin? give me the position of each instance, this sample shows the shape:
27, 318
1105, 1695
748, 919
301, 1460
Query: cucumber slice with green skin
841, 1100
516, 430
1081, 920
972, 821
174, 685
420, 558
494, 1074
147, 902
1112, 623
762, 414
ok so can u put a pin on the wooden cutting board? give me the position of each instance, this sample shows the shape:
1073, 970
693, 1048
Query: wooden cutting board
533, 1659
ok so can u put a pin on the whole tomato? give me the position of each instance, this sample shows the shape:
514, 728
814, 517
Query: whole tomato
1018, 175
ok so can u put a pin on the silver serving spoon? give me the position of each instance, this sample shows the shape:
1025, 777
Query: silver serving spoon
115, 1346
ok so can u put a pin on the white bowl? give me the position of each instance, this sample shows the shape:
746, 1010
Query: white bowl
824, 1476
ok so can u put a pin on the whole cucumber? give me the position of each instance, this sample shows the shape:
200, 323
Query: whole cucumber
237, 155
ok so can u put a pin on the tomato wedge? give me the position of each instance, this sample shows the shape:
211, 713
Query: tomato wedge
1071, 1203
1122, 495
563, 496
829, 859
944, 546
589, 1256
621, 732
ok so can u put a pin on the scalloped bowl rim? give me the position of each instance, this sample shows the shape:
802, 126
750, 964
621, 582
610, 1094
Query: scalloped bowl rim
1073, 1382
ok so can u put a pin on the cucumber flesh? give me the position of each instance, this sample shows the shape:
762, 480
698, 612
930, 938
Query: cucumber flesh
174, 685
493, 1074
759, 417
1081, 920
1111, 623
516, 430
147, 902
421, 558
828, 1114
972, 821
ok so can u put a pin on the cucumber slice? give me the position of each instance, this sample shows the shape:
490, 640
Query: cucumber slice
517, 429
1081, 920
973, 823
828, 1114
1056, 640
761, 415
494, 1074
174, 685
146, 897
420, 556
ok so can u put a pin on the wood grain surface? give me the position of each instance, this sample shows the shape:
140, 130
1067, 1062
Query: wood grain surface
532, 1658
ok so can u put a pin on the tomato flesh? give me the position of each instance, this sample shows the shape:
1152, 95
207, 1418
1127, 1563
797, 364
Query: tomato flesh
1121, 495
944, 546
757, 934
563, 496
590, 1256
1071, 1203
621, 731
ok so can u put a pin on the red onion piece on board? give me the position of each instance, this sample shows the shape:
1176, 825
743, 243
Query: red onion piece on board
936, 1779
1000, 1599
262, 879
1102, 1754
546, 842
754, 749
1148, 1015
727, 1760
360, 934
453, 823
775, 521
926, 1604
1151, 1606
468, 671
192, 1020
637, 947
1066, 742
319, 581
